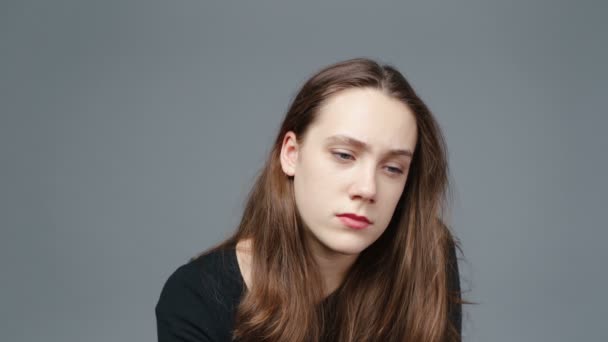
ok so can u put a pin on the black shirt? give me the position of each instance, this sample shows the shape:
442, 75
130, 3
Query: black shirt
199, 300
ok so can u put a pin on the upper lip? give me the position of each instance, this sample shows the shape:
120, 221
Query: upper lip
356, 217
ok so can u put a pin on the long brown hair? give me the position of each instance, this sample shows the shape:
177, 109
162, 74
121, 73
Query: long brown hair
398, 288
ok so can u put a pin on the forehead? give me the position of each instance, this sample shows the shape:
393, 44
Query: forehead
368, 115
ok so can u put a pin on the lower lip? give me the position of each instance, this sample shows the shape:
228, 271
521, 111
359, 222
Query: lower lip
352, 223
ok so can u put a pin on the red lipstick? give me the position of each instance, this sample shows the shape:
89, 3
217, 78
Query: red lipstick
354, 221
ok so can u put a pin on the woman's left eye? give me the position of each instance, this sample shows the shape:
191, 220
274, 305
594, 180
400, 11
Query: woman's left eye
395, 170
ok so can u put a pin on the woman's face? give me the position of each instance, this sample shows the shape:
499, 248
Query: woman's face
345, 165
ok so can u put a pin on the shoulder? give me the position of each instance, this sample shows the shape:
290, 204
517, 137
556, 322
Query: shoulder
199, 298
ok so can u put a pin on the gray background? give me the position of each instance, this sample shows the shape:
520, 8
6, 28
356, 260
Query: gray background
130, 133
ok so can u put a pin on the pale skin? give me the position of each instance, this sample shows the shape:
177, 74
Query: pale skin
333, 175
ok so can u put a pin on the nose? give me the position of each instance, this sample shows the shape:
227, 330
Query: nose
364, 186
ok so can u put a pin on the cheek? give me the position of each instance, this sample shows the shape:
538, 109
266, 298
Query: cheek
316, 173
390, 200
314, 189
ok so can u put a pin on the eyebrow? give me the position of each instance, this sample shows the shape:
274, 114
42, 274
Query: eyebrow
344, 139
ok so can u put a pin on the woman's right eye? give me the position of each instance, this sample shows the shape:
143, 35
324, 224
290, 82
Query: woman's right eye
341, 155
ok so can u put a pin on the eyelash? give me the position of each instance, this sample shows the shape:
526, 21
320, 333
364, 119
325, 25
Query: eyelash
396, 172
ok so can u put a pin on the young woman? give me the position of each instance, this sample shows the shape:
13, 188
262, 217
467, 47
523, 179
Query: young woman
341, 238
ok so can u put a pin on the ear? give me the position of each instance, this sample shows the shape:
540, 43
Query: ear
289, 153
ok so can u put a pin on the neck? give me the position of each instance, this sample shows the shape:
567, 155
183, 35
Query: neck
333, 265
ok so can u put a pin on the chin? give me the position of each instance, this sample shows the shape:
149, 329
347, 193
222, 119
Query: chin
347, 245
